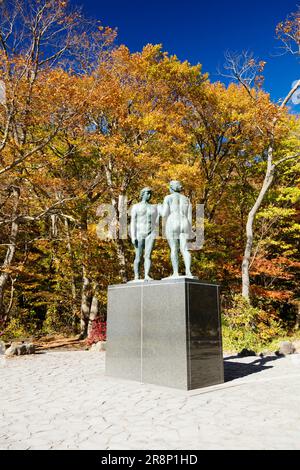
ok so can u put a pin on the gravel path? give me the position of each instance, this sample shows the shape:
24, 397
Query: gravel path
62, 400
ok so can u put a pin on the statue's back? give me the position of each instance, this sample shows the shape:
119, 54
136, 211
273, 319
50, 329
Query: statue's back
178, 221
179, 203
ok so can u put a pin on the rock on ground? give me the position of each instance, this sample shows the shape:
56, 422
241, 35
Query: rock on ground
99, 346
19, 349
286, 348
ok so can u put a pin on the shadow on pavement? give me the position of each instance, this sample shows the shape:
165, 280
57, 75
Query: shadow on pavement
236, 370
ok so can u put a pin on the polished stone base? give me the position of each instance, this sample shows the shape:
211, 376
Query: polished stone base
166, 333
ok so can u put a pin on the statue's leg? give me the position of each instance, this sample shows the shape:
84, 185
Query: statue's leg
173, 243
147, 255
136, 265
185, 253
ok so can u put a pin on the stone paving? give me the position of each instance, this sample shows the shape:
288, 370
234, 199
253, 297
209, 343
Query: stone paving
62, 400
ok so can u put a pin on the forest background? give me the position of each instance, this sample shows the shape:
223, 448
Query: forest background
83, 122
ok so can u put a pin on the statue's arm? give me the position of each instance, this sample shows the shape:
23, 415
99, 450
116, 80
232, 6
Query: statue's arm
190, 213
157, 214
164, 208
133, 225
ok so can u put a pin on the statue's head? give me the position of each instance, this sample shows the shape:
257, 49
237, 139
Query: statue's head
175, 186
146, 194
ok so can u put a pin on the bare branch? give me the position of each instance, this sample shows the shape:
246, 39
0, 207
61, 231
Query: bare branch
243, 68
290, 94
285, 159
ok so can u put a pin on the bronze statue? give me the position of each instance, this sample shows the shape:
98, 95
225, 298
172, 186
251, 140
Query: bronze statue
143, 225
178, 210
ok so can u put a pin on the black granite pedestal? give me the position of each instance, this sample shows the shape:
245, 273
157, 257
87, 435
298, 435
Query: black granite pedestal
166, 333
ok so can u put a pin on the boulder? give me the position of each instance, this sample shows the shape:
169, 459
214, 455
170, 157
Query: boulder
99, 346
11, 351
285, 348
20, 349
30, 348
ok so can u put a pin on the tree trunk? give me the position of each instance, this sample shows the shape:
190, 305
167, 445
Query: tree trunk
297, 307
73, 285
89, 307
121, 253
269, 176
53, 226
94, 312
9, 256
122, 260
86, 299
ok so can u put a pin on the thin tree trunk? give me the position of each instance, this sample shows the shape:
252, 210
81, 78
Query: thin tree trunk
73, 285
121, 253
297, 323
53, 226
86, 299
10, 253
269, 176
94, 312
122, 260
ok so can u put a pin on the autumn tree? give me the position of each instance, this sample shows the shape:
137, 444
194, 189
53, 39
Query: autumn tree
39, 41
248, 73
85, 124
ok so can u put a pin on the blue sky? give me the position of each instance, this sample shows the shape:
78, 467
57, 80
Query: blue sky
201, 31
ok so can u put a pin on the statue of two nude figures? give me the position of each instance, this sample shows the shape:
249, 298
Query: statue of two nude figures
144, 220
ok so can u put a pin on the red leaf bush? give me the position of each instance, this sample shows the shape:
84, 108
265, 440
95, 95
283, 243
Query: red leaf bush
98, 332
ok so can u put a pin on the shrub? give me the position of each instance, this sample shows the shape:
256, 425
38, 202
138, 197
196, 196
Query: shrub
58, 320
245, 326
97, 333
22, 324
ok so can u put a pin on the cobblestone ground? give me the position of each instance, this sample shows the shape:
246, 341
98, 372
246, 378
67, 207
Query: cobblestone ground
62, 400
